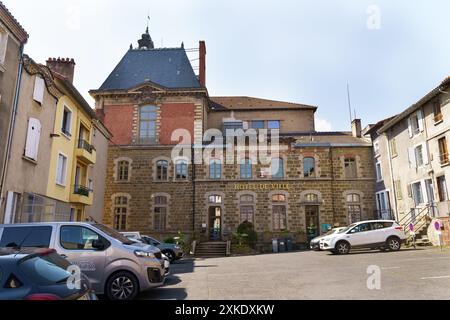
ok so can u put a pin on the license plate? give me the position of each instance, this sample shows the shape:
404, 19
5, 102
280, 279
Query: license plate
85, 297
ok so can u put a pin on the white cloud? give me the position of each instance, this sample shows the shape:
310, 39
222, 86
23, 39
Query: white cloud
323, 125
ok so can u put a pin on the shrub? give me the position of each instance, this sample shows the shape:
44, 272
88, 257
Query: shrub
247, 228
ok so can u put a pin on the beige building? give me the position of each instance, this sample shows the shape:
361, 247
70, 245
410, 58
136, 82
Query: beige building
26, 180
12, 40
419, 161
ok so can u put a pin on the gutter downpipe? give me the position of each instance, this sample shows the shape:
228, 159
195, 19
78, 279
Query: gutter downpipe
11, 127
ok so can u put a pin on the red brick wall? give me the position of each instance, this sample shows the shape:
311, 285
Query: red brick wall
119, 120
176, 116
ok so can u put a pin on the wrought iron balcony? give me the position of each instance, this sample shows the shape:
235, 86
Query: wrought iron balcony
83, 144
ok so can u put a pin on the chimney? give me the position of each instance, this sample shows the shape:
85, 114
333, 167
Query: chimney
357, 128
202, 72
63, 66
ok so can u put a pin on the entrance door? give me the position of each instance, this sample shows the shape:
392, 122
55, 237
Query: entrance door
215, 223
312, 222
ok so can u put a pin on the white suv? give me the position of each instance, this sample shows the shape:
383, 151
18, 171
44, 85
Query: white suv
376, 234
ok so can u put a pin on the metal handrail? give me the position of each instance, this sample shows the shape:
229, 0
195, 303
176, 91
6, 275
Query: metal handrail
82, 190
83, 144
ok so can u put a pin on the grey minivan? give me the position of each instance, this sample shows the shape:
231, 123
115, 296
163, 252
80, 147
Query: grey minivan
115, 266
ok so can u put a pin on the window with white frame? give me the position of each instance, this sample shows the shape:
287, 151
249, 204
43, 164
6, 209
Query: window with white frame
415, 123
418, 152
376, 148
378, 171
3, 45
61, 170
160, 213
66, 125
417, 193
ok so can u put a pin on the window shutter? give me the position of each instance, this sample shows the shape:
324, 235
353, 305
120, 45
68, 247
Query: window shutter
33, 136
425, 153
420, 120
39, 86
409, 190
410, 128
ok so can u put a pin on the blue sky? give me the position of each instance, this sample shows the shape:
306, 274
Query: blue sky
293, 50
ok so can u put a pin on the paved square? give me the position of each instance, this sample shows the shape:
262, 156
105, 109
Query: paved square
408, 274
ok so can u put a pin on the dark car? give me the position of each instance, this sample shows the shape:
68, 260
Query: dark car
39, 274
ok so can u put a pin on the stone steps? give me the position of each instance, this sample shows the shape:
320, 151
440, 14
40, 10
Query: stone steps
211, 249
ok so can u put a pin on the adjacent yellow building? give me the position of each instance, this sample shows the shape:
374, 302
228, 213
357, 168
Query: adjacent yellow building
72, 152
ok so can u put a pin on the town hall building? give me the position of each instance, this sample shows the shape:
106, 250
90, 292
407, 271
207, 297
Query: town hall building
318, 180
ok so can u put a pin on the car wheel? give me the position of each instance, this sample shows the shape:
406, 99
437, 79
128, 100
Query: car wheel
394, 244
171, 255
342, 247
122, 286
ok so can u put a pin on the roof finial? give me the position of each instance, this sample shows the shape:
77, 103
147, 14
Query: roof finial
146, 41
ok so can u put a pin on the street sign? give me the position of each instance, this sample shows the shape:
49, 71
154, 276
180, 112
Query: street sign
437, 226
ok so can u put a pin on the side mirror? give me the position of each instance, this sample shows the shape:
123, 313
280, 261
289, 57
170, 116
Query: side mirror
98, 245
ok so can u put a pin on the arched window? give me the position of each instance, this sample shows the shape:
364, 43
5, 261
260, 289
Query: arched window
181, 170
246, 169
279, 198
215, 199
160, 213
312, 198
309, 167
162, 170
277, 168
247, 208
120, 213
354, 207
215, 169
123, 170
147, 124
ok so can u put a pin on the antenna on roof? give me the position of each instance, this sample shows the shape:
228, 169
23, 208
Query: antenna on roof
349, 102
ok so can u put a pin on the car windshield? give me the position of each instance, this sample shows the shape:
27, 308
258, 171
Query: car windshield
46, 270
114, 234
348, 228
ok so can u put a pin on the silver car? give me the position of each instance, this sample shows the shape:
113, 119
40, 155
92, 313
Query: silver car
115, 266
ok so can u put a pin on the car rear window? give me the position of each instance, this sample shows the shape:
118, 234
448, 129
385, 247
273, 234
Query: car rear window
46, 270
26, 237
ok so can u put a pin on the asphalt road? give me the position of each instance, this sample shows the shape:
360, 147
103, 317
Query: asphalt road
408, 274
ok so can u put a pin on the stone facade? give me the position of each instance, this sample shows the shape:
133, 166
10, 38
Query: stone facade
331, 187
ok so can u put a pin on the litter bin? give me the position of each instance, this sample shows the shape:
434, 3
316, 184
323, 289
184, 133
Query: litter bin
282, 245
275, 245
289, 244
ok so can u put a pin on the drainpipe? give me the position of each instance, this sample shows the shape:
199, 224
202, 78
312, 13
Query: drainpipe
11, 126
193, 188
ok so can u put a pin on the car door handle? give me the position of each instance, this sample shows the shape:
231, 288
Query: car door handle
63, 256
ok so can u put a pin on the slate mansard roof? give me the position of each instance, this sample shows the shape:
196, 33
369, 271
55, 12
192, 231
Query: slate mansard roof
167, 67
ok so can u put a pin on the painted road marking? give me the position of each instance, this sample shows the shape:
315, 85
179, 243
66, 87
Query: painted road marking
441, 277
390, 268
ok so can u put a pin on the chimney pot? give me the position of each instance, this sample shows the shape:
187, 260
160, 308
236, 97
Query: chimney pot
357, 128
202, 71
63, 66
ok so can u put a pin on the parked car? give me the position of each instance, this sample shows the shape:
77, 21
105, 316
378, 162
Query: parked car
114, 265
39, 274
376, 234
315, 243
173, 251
